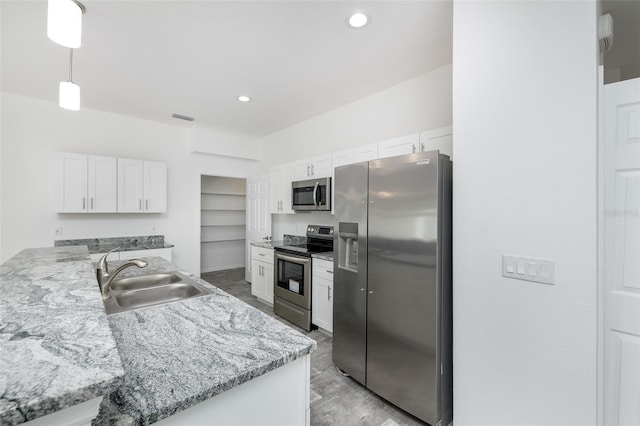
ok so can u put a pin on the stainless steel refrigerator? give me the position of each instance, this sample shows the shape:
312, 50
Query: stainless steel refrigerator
392, 313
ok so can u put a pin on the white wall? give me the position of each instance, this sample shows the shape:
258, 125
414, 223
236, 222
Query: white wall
524, 114
421, 103
32, 130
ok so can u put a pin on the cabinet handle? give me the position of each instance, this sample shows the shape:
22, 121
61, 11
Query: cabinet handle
414, 148
261, 254
91, 203
146, 204
84, 202
140, 204
308, 170
262, 270
313, 170
421, 146
328, 293
329, 272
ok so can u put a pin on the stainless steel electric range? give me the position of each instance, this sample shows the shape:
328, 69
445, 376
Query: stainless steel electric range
292, 283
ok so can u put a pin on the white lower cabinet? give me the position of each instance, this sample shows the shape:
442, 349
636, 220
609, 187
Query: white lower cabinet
262, 273
322, 294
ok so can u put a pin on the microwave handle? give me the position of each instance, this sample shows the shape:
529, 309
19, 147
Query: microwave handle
315, 198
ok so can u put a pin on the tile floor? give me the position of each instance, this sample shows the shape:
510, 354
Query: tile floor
335, 400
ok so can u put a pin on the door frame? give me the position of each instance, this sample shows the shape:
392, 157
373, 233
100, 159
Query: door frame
198, 213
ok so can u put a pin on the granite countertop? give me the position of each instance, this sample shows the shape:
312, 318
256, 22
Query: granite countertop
324, 256
179, 354
267, 244
56, 347
104, 245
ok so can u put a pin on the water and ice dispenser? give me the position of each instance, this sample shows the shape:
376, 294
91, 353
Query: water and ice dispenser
348, 246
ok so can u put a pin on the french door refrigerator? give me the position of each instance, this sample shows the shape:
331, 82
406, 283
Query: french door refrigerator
392, 312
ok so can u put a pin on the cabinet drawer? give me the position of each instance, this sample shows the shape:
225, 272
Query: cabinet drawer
262, 254
322, 268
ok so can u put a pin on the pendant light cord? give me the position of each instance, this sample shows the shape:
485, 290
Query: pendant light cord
70, 64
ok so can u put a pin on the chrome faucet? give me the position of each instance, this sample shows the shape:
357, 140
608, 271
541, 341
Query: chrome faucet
105, 278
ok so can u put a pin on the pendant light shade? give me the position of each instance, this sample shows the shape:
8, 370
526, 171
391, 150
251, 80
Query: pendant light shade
69, 95
64, 22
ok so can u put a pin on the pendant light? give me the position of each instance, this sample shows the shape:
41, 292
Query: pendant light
64, 22
69, 96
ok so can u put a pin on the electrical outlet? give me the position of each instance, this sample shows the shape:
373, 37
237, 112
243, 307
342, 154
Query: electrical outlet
529, 269
58, 232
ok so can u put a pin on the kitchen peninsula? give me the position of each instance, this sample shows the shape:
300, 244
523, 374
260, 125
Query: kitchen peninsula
202, 358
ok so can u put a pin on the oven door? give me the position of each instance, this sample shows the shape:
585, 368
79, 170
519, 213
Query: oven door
293, 279
311, 195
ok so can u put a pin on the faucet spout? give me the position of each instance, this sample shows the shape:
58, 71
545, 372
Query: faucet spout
105, 278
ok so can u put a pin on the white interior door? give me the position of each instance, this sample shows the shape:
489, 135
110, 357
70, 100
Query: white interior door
621, 253
258, 215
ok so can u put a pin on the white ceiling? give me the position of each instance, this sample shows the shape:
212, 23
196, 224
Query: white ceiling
296, 59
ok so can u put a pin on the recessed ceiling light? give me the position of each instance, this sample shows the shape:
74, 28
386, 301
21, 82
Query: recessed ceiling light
358, 20
244, 98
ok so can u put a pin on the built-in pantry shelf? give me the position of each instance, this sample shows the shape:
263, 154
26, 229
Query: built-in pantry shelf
223, 219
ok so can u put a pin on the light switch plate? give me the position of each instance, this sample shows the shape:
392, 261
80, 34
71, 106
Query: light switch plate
533, 269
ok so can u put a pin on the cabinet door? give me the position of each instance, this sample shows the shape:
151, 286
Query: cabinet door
268, 282
303, 169
399, 146
257, 279
288, 177
366, 153
322, 303
276, 184
321, 166
71, 183
155, 187
130, 185
440, 139
102, 184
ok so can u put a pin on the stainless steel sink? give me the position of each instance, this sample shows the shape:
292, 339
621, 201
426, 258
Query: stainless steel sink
145, 281
149, 290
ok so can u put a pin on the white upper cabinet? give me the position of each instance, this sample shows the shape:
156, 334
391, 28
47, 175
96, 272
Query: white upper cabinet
280, 178
130, 185
71, 183
341, 158
155, 187
85, 183
365, 153
102, 184
440, 139
399, 146
142, 186
315, 167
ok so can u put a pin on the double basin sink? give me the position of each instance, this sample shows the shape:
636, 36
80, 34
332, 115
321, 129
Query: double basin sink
149, 290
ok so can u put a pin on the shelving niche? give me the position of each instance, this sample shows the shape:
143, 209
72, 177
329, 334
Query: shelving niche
223, 218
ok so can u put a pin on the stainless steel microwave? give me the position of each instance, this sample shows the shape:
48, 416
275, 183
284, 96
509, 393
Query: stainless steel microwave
311, 195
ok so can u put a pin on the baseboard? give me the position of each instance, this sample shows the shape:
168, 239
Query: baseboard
221, 268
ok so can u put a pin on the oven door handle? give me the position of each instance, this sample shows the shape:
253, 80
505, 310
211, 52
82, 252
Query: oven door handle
315, 190
302, 260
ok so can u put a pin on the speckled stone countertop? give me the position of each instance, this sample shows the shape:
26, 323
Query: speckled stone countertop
179, 354
324, 256
267, 244
104, 245
56, 347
